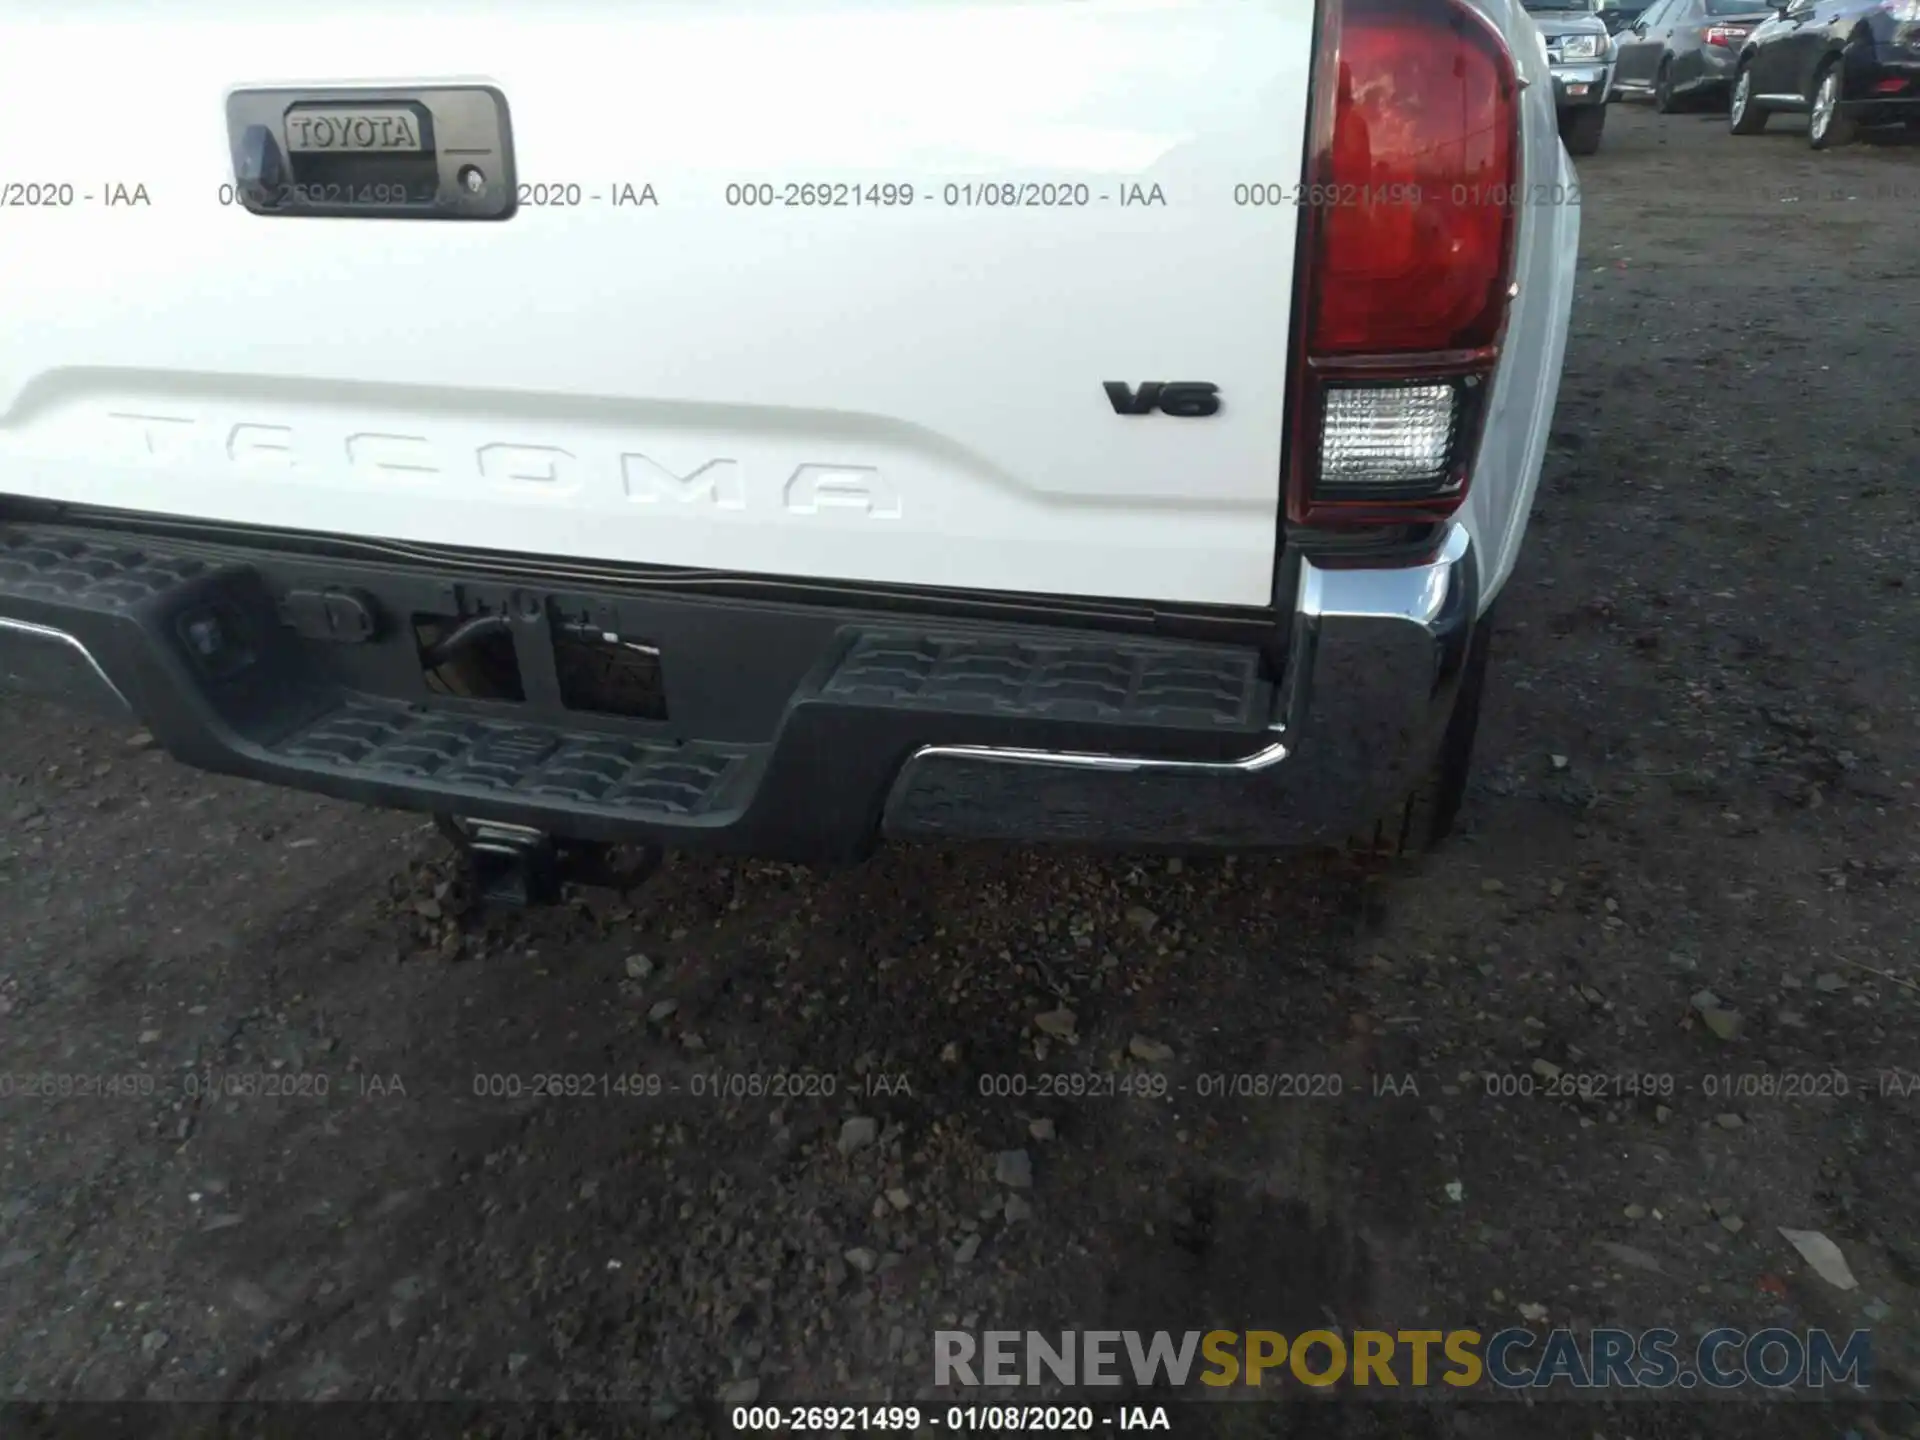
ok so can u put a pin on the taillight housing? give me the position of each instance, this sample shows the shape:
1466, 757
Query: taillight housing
1724, 35
1407, 257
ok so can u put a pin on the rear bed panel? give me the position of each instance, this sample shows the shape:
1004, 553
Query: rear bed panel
895, 395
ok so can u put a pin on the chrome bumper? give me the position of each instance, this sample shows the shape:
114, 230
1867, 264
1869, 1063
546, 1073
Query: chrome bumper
1373, 669
49, 664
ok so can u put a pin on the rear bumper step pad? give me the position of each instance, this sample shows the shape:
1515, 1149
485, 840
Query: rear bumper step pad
796, 731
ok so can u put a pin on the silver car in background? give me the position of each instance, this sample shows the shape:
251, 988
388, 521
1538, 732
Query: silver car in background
1580, 51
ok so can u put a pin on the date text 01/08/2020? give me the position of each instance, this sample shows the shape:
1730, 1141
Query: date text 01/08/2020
699, 1084
807, 195
990, 1419
970, 194
1155, 1085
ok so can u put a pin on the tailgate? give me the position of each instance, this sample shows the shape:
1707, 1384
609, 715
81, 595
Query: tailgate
848, 291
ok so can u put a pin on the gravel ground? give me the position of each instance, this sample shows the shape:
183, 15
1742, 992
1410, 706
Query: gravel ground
1689, 853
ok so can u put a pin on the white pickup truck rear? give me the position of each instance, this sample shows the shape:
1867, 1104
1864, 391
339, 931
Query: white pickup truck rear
778, 424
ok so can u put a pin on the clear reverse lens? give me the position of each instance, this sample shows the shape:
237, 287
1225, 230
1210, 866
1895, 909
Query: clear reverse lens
1383, 438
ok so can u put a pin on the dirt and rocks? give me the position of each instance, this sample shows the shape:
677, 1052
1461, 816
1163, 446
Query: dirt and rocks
1654, 1003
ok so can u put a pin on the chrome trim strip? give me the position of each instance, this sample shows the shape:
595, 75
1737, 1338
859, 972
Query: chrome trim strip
1262, 759
1418, 594
61, 637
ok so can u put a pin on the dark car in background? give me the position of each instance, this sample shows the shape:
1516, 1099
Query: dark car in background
1844, 63
1684, 53
1617, 17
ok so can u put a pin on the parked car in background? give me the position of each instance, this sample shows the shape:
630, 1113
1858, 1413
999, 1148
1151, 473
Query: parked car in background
1580, 52
1683, 53
1845, 63
1617, 17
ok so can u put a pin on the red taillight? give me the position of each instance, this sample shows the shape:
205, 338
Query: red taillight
1413, 256
1414, 157
1723, 34
1889, 87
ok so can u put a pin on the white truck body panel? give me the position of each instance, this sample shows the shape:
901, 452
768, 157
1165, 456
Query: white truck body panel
909, 395
1546, 266
906, 395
